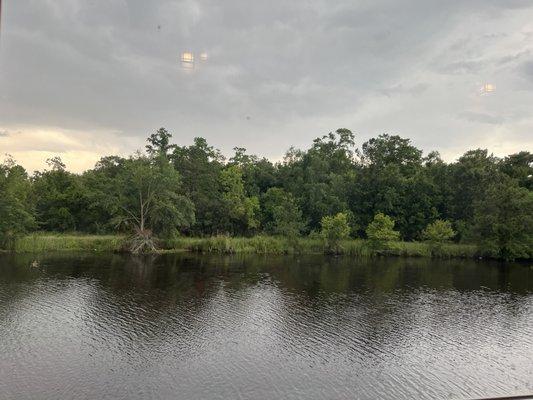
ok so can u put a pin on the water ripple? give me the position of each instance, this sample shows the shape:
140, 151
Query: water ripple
192, 327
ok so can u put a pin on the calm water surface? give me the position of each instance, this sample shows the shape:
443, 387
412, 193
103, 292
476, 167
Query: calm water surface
202, 327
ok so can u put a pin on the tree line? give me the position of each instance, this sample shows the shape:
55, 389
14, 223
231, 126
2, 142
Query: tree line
386, 189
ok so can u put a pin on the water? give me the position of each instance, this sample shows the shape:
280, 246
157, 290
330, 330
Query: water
206, 327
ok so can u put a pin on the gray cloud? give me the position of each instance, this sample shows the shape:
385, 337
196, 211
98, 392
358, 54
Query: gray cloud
414, 90
4, 133
297, 69
481, 117
528, 70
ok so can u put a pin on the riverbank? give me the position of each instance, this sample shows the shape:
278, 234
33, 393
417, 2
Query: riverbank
45, 242
353, 247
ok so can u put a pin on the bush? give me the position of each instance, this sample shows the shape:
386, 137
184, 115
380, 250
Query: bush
334, 229
438, 232
381, 229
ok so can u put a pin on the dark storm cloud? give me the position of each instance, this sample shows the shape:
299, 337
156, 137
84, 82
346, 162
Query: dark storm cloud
278, 72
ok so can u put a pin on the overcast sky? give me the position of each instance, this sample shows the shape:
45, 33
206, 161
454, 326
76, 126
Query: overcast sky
87, 78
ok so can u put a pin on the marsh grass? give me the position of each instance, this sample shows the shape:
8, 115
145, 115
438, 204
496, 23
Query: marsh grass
260, 244
263, 244
43, 242
235, 245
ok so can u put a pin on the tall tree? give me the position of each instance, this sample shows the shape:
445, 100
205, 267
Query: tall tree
242, 210
503, 221
159, 143
519, 166
148, 200
471, 176
280, 213
392, 150
390, 180
319, 178
16, 209
60, 198
99, 183
200, 166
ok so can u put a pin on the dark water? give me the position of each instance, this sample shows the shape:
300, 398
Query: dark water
201, 327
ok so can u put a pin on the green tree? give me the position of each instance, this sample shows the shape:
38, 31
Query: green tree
391, 150
319, 178
387, 186
56, 164
258, 174
334, 229
381, 229
16, 209
100, 183
471, 176
159, 143
439, 175
519, 166
60, 199
281, 214
438, 231
243, 211
503, 221
200, 167
390, 179
146, 199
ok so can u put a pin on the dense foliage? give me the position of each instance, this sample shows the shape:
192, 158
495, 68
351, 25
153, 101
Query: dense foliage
385, 190
438, 231
381, 229
335, 228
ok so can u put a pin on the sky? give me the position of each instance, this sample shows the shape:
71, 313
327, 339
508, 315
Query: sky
82, 79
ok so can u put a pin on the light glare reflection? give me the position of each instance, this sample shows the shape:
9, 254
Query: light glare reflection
488, 88
187, 60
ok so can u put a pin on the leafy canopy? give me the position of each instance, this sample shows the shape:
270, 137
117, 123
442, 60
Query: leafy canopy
242, 210
503, 221
16, 210
281, 214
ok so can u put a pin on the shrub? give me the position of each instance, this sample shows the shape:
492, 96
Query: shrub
381, 229
438, 232
334, 229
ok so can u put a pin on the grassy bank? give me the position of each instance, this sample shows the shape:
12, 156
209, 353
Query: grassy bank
45, 242
356, 247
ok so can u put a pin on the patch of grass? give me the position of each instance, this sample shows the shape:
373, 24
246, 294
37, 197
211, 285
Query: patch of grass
455, 250
356, 248
407, 249
260, 244
263, 244
44, 242
229, 245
